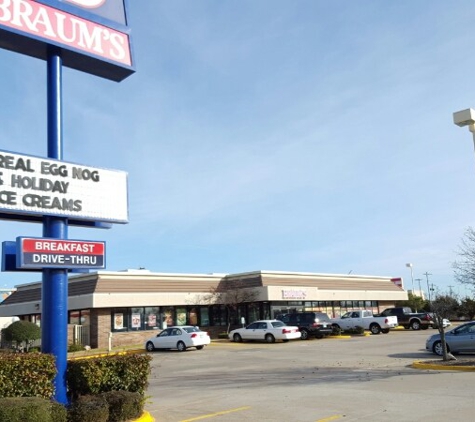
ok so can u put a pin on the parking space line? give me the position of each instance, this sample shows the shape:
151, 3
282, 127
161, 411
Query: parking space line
330, 418
212, 415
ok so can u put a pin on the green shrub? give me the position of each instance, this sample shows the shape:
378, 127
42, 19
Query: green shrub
22, 409
355, 330
22, 332
336, 331
27, 375
108, 373
123, 405
75, 348
89, 409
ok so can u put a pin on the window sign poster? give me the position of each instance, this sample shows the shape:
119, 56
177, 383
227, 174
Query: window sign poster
118, 321
181, 316
135, 320
152, 320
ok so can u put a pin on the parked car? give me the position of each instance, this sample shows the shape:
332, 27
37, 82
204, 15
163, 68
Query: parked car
459, 339
316, 324
180, 338
445, 322
268, 330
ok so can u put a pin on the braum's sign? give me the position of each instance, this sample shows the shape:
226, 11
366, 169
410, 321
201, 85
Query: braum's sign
55, 253
88, 42
33, 185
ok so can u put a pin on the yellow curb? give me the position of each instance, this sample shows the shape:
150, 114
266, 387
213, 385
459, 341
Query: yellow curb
146, 417
421, 365
339, 337
101, 355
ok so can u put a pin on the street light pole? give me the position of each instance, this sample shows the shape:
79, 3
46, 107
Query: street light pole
428, 288
420, 289
409, 265
466, 118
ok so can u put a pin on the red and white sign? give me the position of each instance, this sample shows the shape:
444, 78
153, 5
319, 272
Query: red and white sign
57, 253
78, 247
41, 21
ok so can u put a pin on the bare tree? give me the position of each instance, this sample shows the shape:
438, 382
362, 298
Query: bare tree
444, 307
464, 267
232, 294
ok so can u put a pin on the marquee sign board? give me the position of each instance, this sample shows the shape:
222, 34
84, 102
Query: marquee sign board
93, 34
34, 185
59, 253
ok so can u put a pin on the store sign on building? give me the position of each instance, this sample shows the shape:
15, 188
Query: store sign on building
34, 185
57, 253
294, 294
92, 34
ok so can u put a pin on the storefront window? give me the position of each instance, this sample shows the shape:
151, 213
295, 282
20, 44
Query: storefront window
253, 310
218, 315
85, 317
168, 318
119, 319
180, 316
204, 316
136, 319
79, 317
193, 316
74, 317
152, 318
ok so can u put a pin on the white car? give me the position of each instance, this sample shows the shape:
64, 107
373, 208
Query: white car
178, 338
268, 330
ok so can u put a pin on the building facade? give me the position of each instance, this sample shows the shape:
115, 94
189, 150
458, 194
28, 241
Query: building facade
126, 307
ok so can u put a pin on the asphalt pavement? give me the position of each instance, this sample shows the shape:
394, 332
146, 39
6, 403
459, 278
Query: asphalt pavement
368, 378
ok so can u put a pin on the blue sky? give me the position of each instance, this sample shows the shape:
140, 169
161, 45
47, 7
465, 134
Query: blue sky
307, 136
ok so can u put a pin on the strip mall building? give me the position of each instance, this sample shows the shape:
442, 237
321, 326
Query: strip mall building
125, 307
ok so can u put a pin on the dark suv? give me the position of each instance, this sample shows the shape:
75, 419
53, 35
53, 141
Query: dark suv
315, 324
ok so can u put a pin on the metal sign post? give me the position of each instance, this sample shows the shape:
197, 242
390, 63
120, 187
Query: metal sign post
54, 334
92, 37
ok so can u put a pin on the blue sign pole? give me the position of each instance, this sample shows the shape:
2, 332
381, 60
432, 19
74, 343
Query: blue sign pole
54, 324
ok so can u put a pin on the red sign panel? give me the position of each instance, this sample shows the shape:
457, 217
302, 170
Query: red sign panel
57, 253
92, 45
55, 25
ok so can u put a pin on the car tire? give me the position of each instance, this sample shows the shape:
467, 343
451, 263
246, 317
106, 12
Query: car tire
181, 346
149, 346
415, 325
385, 330
237, 338
269, 338
375, 329
304, 335
437, 348
199, 347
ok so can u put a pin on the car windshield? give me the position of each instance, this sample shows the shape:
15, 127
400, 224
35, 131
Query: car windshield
277, 324
191, 329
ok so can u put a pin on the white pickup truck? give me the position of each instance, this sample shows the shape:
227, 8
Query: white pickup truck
365, 319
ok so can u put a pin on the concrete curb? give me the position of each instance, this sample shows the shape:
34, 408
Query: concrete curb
418, 364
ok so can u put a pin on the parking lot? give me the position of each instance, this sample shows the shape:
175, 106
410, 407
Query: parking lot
359, 378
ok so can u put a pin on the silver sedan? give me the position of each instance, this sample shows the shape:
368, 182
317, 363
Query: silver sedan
460, 339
